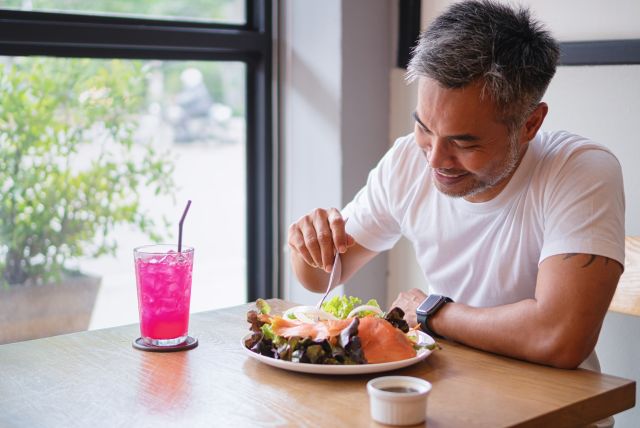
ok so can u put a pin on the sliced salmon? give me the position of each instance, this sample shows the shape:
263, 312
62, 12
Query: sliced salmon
382, 342
318, 331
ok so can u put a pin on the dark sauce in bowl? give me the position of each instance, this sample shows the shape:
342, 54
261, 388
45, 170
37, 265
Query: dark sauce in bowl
399, 389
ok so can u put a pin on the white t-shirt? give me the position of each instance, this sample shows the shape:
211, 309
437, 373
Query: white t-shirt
566, 196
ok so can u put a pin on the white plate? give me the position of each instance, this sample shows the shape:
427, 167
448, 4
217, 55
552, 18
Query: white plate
328, 369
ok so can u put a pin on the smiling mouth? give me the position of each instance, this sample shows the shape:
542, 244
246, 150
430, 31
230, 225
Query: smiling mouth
449, 175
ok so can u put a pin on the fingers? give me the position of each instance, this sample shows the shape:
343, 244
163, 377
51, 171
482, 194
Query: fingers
316, 236
339, 235
297, 243
410, 297
409, 301
399, 302
324, 236
411, 318
350, 241
417, 295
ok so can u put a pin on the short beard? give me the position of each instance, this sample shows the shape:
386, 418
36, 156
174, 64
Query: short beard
507, 168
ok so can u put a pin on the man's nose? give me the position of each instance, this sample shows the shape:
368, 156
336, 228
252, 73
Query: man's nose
439, 155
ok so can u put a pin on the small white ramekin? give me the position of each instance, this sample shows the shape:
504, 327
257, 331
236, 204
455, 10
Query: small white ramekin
398, 408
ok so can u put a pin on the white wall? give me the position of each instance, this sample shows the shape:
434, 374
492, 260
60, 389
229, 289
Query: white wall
602, 103
310, 108
403, 268
334, 67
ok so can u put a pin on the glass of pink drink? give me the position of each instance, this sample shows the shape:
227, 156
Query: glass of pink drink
163, 277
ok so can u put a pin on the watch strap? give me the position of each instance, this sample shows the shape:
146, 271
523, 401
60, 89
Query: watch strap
423, 318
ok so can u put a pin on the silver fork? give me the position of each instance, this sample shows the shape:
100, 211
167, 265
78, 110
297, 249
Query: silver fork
336, 273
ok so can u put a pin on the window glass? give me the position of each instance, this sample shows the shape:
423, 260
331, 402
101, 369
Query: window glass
223, 11
98, 157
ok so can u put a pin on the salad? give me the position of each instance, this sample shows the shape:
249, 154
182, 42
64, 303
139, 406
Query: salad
343, 331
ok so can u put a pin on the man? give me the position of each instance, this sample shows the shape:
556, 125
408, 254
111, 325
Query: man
519, 233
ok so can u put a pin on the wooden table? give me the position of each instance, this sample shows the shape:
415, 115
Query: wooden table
97, 379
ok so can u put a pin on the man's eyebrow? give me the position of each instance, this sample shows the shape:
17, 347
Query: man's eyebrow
460, 137
417, 119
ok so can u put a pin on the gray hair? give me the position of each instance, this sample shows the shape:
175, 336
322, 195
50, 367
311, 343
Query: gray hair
511, 53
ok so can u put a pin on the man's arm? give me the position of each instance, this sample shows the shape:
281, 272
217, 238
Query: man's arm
559, 327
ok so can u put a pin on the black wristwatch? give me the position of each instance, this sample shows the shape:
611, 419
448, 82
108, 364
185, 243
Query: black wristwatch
428, 308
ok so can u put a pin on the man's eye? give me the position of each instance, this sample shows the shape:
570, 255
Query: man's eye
463, 146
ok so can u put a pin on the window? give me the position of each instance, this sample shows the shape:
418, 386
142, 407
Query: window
223, 11
163, 109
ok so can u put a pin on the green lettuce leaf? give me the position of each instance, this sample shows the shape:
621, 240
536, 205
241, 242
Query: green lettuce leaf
263, 306
267, 331
340, 306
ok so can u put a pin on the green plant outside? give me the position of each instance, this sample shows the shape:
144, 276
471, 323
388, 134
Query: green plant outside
51, 210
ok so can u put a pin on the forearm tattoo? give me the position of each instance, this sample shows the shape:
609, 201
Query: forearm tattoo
592, 258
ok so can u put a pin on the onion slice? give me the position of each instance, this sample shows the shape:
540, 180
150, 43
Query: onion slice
308, 314
362, 308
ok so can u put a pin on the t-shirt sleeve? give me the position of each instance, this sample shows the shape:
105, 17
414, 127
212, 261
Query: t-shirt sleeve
372, 222
584, 208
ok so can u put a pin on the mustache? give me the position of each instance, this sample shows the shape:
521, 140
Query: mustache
446, 171
450, 171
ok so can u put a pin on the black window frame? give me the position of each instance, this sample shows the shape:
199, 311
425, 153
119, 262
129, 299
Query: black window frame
600, 52
29, 33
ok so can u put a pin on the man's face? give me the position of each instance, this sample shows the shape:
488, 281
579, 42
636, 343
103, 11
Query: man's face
471, 153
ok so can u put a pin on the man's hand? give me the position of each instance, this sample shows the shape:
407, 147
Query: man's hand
313, 240
409, 301
315, 237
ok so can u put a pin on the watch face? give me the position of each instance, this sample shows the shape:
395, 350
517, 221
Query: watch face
428, 304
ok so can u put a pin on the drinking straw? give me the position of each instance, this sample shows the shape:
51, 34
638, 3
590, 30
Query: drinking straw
184, 214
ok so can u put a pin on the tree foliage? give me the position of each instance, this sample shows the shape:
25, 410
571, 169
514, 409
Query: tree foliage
56, 206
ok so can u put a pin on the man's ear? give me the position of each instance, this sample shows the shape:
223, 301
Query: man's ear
534, 121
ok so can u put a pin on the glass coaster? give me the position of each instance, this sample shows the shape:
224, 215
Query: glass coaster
190, 343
